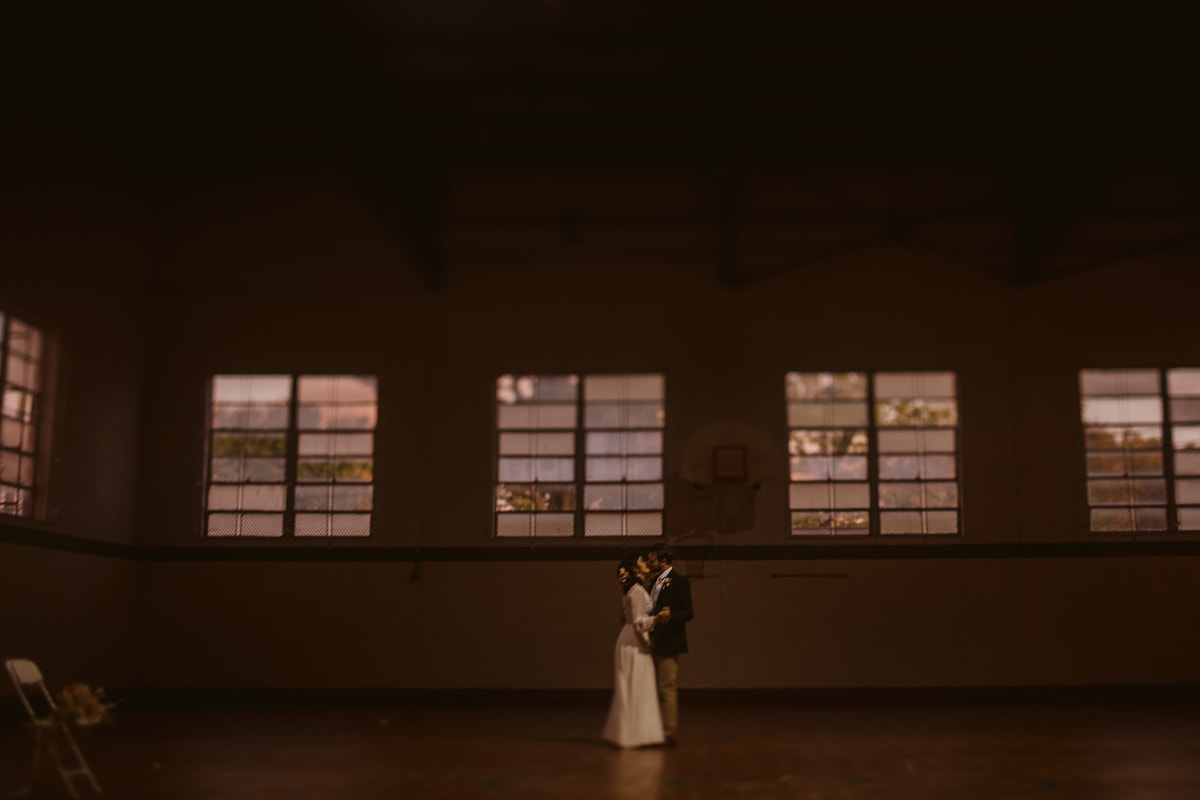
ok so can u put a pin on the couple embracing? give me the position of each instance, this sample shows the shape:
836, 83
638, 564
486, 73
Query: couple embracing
657, 605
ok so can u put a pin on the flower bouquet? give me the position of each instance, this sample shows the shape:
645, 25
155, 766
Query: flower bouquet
79, 704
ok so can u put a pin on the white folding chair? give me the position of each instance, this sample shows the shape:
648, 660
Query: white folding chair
51, 734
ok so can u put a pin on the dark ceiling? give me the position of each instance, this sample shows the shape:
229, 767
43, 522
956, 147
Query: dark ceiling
403, 94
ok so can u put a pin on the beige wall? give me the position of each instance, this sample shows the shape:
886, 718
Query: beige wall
295, 275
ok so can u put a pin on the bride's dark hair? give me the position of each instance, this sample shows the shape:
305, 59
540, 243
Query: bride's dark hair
627, 571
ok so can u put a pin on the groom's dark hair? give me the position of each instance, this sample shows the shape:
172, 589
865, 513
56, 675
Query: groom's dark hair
664, 552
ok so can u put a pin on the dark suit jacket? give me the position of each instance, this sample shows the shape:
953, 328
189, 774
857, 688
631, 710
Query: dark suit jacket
670, 639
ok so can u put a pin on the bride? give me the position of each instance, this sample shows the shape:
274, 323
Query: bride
634, 719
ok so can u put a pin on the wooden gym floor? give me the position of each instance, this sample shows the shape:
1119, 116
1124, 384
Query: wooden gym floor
818, 751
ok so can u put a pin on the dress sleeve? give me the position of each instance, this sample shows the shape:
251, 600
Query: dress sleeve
641, 616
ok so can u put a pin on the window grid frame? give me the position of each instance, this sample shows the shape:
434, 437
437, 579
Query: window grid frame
625, 483
577, 443
1167, 451
579, 458
875, 512
291, 459
35, 422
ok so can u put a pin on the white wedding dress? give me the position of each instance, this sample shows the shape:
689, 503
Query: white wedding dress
634, 720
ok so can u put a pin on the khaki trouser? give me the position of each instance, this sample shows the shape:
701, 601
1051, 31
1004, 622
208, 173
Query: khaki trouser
667, 670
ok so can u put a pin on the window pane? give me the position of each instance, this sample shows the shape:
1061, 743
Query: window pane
810, 469
1185, 410
18, 404
626, 524
10, 434
624, 442
512, 389
644, 496
546, 417
605, 469
250, 416
554, 444
1149, 491
832, 385
900, 385
1150, 519
313, 498
900, 495
259, 389
851, 495
1186, 437
263, 498
849, 468
810, 495
916, 413
1122, 410
941, 521
1108, 493
350, 524
809, 523
223, 498
312, 525
223, 525
1118, 381
261, 525
249, 444
524, 524
336, 444
352, 498
333, 470
1118, 437
893, 468
268, 525
941, 495
1187, 492
624, 415
1107, 464
850, 522
1112, 519
605, 497
535, 497
1183, 382
10, 466
623, 388
555, 469
355, 416
1189, 519
891, 522
337, 390
1187, 463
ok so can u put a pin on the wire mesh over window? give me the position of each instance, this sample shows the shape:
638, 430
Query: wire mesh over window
566, 466
623, 421
291, 455
1183, 391
916, 415
1122, 413
22, 367
828, 413
856, 473
537, 418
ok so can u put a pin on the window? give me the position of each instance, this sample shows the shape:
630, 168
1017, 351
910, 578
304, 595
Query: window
1142, 443
872, 453
579, 456
22, 376
291, 455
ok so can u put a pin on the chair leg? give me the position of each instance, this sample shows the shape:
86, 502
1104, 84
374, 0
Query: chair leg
82, 767
69, 761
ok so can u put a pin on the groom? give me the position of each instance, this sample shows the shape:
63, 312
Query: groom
672, 598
